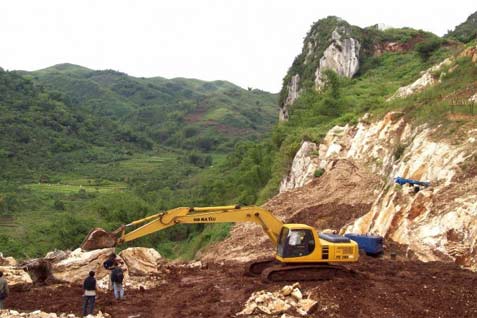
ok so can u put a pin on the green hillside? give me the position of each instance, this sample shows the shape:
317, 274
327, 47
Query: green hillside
388, 60
466, 31
83, 148
181, 113
41, 131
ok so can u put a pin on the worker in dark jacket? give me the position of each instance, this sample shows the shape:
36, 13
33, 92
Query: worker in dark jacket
117, 277
3, 290
89, 295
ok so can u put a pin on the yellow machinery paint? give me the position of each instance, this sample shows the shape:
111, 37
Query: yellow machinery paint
296, 243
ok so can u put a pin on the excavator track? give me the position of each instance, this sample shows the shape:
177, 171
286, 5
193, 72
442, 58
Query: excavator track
256, 268
310, 272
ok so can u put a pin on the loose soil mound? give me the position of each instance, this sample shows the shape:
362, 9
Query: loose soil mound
343, 193
383, 288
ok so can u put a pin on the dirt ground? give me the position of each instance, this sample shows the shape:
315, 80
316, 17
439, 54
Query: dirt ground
381, 288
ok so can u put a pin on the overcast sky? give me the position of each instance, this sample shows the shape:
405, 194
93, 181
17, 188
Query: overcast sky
248, 42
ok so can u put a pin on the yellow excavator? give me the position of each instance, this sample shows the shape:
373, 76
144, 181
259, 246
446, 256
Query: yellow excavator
301, 252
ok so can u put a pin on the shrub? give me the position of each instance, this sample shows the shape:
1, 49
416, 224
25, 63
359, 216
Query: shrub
319, 172
427, 47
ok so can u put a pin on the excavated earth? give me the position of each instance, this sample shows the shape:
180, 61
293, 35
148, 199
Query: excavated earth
381, 288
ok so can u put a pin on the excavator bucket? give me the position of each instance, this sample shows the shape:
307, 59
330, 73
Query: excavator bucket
98, 238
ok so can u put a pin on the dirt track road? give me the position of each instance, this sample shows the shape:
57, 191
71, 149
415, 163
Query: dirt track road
383, 288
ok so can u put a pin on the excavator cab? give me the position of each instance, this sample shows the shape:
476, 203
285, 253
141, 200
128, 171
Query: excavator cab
300, 243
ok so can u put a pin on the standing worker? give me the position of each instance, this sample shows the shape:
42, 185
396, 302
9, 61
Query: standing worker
110, 264
3, 290
117, 277
89, 295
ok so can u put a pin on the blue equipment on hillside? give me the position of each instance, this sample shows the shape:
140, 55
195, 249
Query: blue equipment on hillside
402, 181
371, 244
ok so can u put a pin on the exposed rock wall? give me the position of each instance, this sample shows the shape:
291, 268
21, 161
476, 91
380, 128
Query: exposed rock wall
292, 94
439, 222
342, 56
427, 79
332, 44
303, 168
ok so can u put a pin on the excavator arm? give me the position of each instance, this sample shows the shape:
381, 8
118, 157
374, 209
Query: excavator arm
220, 214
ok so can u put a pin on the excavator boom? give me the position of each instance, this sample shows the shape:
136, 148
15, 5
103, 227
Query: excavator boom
184, 215
221, 214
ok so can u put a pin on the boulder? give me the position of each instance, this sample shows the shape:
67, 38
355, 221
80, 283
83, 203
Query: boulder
141, 261
16, 277
289, 298
7, 261
79, 263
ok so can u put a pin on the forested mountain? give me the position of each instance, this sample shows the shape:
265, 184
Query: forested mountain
466, 31
41, 130
82, 148
180, 112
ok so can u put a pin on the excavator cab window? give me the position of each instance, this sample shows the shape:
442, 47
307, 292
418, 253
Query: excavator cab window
295, 243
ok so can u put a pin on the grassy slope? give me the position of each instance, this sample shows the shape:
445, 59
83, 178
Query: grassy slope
184, 113
91, 139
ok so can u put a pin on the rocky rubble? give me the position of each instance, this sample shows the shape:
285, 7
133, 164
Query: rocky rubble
437, 223
16, 277
288, 300
78, 263
141, 265
7, 261
41, 314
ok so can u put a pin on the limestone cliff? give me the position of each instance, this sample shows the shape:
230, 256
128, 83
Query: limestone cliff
437, 223
342, 56
331, 44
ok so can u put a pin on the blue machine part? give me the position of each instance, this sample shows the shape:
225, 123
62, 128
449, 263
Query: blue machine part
402, 181
371, 244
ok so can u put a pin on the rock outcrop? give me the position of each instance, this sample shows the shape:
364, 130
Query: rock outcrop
342, 57
292, 94
437, 223
331, 44
303, 168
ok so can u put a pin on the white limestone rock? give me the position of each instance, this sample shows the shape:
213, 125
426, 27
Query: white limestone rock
342, 56
303, 167
293, 91
427, 79
141, 261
